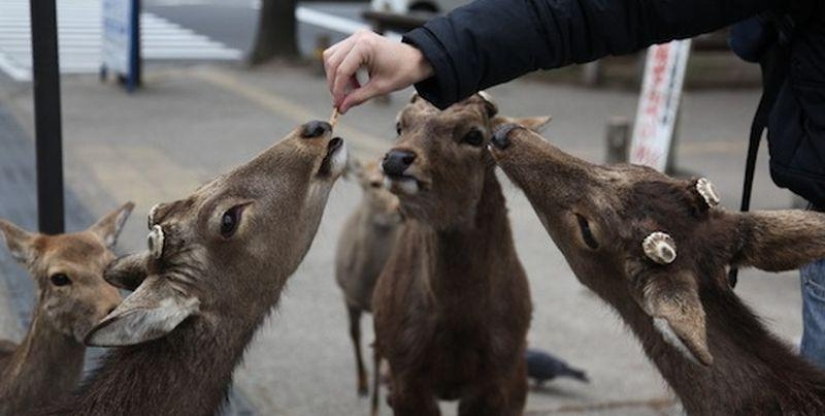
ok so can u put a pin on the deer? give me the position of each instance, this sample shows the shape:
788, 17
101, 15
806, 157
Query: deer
72, 298
366, 242
215, 267
656, 249
452, 306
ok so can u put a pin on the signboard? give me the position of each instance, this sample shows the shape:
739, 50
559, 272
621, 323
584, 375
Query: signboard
659, 103
119, 52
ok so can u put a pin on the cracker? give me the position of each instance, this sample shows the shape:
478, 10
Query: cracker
333, 119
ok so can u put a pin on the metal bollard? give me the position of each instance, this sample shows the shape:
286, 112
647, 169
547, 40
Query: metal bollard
618, 139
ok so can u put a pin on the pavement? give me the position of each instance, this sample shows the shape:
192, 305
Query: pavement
191, 123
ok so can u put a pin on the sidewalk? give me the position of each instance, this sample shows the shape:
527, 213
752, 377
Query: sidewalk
190, 124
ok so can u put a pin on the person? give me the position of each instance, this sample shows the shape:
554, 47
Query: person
489, 42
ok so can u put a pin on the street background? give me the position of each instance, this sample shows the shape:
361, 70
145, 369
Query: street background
199, 115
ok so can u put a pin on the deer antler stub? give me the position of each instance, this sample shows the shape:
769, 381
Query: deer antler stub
155, 241
660, 248
708, 192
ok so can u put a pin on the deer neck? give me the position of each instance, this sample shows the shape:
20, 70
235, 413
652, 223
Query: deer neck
46, 364
468, 255
752, 373
188, 371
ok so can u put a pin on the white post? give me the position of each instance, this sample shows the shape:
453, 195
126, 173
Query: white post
659, 103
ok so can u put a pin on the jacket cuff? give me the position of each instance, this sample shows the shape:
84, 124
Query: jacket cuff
440, 89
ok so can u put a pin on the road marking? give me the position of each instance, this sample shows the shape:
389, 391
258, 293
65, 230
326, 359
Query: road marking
283, 107
79, 39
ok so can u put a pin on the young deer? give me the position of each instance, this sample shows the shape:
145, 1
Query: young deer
216, 264
656, 249
365, 244
72, 297
452, 306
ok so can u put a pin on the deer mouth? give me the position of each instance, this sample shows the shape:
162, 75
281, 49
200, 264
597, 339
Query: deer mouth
406, 184
335, 160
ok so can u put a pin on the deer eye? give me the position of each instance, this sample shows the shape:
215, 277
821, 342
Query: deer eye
473, 138
60, 279
587, 234
375, 184
230, 221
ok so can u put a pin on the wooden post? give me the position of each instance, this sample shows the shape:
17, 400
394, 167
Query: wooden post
618, 139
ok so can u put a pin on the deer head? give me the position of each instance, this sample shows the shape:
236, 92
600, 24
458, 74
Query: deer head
225, 252
440, 162
633, 234
68, 270
381, 203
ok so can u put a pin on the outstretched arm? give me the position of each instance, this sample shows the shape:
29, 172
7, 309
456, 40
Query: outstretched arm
489, 42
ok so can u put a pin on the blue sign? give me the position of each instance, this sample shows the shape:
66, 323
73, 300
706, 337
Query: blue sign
121, 41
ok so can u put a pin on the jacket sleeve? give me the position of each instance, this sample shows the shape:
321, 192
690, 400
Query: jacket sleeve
489, 42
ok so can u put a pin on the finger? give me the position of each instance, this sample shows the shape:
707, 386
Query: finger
346, 71
332, 62
359, 96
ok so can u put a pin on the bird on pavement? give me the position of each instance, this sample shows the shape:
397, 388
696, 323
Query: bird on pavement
541, 366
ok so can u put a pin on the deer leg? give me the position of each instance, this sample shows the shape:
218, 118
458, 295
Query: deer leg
518, 386
505, 398
412, 398
376, 381
355, 334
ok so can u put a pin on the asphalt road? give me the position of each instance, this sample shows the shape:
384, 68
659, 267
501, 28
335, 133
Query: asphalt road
190, 124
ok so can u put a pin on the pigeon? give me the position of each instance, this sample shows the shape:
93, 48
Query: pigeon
541, 366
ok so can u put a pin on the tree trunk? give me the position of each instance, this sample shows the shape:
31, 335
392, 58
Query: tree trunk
276, 37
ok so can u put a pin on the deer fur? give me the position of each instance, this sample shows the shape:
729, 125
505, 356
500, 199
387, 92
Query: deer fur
452, 306
200, 294
72, 297
366, 241
710, 347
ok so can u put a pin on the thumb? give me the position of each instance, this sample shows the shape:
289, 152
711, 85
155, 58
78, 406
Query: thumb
358, 96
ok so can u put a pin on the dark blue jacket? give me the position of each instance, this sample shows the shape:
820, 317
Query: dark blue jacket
489, 42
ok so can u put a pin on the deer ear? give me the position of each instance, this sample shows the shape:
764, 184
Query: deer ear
19, 242
779, 240
151, 312
672, 300
127, 272
108, 228
536, 124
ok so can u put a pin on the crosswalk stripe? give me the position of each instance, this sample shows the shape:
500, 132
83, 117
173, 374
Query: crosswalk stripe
79, 39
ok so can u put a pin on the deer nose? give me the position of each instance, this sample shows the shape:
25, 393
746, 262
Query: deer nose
500, 139
397, 161
315, 129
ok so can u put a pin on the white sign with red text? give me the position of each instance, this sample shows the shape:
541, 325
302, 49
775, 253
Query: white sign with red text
659, 103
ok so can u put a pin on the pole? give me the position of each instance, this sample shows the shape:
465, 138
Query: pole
47, 127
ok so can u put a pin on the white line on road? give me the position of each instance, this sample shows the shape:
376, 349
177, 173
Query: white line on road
79, 31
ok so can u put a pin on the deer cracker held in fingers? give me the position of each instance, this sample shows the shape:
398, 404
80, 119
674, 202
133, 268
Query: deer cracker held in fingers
365, 244
656, 249
72, 297
217, 263
452, 306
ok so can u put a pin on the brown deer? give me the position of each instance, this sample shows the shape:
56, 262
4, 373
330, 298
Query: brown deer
452, 306
216, 265
365, 244
72, 297
656, 249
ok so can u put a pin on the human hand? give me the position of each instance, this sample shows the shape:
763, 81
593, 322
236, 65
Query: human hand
391, 66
